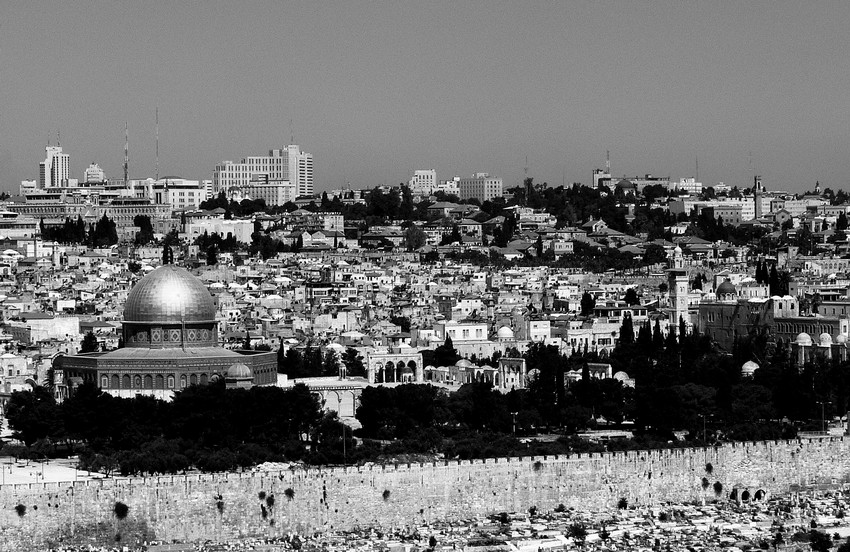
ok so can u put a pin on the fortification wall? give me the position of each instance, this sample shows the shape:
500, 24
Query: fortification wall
228, 506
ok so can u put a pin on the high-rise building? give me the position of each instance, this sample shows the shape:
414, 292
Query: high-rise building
481, 186
53, 171
281, 166
424, 182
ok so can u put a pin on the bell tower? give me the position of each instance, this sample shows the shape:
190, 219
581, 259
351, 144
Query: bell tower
677, 286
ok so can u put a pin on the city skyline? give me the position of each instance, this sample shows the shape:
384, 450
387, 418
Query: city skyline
376, 91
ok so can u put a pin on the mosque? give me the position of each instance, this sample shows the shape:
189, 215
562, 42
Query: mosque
170, 337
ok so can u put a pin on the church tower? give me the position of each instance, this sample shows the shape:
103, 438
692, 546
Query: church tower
758, 192
677, 286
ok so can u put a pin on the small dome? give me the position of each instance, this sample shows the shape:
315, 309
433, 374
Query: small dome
677, 251
825, 339
841, 339
239, 371
463, 363
803, 340
621, 376
749, 368
726, 289
505, 333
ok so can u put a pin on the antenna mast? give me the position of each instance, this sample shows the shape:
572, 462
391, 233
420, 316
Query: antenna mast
126, 154
157, 143
608, 162
697, 175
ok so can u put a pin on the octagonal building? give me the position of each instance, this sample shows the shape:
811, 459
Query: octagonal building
170, 336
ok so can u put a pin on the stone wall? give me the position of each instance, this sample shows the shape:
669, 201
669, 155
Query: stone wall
228, 506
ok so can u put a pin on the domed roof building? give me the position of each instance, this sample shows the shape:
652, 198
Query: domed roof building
170, 336
726, 291
748, 369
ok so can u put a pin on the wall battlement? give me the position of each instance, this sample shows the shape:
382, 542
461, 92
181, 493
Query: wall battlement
227, 506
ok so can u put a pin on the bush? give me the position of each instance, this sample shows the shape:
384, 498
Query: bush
718, 488
386, 494
120, 510
289, 493
21, 510
622, 504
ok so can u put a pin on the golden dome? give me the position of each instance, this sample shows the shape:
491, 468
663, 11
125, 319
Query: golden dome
169, 294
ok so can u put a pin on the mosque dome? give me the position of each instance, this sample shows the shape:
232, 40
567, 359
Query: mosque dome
169, 294
825, 340
749, 368
725, 289
803, 340
464, 363
841, 339
505, 333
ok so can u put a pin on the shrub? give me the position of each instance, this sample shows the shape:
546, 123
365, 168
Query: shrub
261, 495
538, 465
560, 508
709, 468
21, 510
120, 509
270, 501
718, 488
219, 503
386, 494
705, 483
532, 511
622, 504
289, 493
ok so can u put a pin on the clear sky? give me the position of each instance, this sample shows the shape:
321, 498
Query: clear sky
377, 89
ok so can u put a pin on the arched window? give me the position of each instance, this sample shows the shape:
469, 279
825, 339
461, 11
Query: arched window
159, 382
115, 381
104, 381
182, 382
148, 382
203, 379
137, 382
125, 382
193, 379
171, 382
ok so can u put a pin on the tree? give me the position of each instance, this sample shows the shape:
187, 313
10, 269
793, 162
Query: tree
631, 297
34, 415
414, 237
587, 304
212, 256
89, 344
654, 255
145, 234
446, 354
627, 332
841, 223
353, 362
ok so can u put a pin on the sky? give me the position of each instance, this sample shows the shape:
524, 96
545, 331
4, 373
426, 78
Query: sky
375, 90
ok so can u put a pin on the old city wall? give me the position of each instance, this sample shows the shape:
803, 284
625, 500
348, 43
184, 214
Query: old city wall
228, 506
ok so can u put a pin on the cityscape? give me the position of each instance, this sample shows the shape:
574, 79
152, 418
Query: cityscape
384, 277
